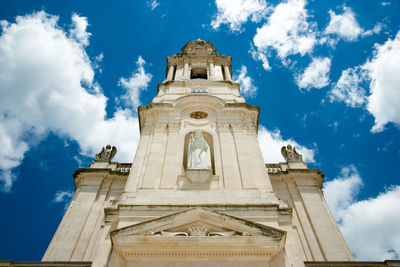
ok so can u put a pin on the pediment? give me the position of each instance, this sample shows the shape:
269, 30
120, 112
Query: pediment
196, 232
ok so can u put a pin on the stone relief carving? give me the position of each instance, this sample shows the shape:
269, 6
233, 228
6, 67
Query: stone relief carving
198, 153
237, 125
290, 154
106, 154
198, 229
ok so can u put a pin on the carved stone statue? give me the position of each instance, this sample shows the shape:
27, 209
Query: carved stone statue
290, 154
106, 154
198, 153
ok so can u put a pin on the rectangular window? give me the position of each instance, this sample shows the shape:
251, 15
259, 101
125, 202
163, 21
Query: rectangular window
199, 90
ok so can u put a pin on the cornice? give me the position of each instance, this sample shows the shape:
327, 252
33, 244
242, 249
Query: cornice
296, 175
97, 175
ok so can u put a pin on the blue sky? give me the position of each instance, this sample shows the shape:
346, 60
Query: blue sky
326, 75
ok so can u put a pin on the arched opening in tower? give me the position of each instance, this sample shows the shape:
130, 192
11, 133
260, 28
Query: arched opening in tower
198, 73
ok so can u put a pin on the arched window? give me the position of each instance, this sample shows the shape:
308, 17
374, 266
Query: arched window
198, 73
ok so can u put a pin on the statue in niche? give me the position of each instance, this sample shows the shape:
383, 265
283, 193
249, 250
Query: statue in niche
106, 154
290, 153
198, 152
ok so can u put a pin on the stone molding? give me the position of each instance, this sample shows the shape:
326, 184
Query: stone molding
114, 214
388, 263
95, 177
295, 177
200, 253
198, 232
46, 263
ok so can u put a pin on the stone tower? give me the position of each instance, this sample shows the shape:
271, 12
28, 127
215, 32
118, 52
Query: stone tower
198, 192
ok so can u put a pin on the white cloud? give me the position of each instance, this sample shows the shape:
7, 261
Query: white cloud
340, 192
344, 25
246, 82
47, 85
377, 29
236, 12
153, 4
286, 31
79, 30
138, 82
261, 57
99, 57
383, 74
316, 74
373, 221
63, 196
271, 143
348, 88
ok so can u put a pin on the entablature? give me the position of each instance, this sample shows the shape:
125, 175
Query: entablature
299, 177
97, 176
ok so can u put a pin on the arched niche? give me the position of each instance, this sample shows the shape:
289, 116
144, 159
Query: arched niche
209, 139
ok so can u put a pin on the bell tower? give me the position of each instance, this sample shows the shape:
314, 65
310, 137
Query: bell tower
198, 192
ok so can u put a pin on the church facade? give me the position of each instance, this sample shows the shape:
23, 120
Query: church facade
198, 192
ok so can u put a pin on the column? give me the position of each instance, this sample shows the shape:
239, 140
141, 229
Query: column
94, 214
171, 168
330, 238
138, 163
211, 67
155, 161
244, 158
170, 75
186, 74
259, 172
227, 73
65, 240
230, 166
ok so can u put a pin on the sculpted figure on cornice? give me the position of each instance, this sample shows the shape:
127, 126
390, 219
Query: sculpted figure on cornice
290, 154
106, 154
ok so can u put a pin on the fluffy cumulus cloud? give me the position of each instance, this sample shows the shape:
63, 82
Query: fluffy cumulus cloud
47, 85
382, 72
287, 32
373, 221
271, 143
344, 25
340, 192
138, 82
236, 12
348, 88
316, 75
78, 31
246, 82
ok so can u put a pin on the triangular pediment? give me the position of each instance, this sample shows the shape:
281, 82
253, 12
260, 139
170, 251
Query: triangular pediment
189, 222
197, 231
